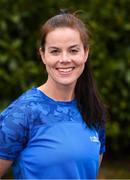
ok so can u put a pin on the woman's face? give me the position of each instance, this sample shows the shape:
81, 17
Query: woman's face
64, 56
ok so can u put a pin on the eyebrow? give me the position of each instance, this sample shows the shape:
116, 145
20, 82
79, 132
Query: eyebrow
53, 47
73, 46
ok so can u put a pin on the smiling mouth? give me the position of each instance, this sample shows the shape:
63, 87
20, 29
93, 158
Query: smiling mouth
65, 70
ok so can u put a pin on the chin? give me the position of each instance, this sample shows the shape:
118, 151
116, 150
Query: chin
67, 83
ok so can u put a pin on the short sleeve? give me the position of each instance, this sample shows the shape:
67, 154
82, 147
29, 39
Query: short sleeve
13, 131
102, 139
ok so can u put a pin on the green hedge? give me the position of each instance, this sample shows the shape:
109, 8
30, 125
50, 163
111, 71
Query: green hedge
109, 23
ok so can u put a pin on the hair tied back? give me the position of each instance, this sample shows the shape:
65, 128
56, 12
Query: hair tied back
63, 11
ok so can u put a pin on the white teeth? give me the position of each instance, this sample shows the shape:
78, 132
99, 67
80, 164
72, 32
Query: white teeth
65, 69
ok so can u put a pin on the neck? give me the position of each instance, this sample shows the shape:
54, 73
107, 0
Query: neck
58, 92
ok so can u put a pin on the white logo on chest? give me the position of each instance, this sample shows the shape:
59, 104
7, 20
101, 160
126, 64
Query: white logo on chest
94, 138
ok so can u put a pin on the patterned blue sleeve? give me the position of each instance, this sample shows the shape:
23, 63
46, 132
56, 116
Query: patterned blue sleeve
102, 138
13, 131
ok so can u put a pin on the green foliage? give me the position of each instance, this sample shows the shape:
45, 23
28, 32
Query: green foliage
109, 23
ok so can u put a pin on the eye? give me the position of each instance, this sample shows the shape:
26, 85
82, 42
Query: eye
74, 51
55, 52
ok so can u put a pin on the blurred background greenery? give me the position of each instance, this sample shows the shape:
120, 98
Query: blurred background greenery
109, 24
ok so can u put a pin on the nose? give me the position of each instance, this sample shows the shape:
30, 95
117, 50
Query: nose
64, 58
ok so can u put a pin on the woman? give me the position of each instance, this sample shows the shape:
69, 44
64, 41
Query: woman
56, 131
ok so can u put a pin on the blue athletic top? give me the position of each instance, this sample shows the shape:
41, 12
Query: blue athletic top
48, 139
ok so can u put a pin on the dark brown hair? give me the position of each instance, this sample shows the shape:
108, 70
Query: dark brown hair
64, 20
89, 103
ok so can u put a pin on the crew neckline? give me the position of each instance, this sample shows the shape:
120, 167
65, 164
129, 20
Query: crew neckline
73, 101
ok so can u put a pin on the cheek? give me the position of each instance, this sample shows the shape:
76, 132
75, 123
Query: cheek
82, 68
80, 61
49, 61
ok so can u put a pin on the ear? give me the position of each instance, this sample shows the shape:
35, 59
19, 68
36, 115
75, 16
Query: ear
41, 52
86, 54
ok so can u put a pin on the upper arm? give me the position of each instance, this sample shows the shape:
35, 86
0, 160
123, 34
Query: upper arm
101, 157
4, 165
102, 139
13, 134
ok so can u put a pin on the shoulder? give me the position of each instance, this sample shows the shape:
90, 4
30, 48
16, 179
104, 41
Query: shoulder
26, 109
23, 101
21, 108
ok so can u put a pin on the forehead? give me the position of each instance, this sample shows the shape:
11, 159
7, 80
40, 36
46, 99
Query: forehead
63, 36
